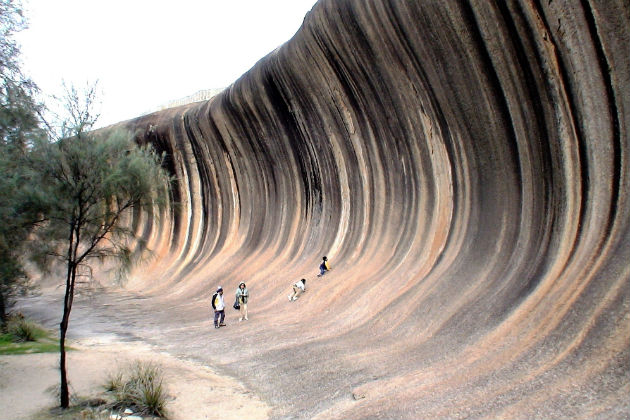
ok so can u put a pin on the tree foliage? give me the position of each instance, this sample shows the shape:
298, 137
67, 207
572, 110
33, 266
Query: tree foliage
88, 187
71, 192
19, 111
19, 128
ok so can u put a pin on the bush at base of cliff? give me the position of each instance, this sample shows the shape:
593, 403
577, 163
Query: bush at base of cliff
22, 336
24, 330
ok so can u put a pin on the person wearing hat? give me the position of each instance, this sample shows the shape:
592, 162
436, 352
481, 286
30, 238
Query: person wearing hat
219, 308
242, 296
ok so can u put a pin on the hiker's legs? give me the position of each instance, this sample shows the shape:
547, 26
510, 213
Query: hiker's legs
216, 318
222, 317
244, 310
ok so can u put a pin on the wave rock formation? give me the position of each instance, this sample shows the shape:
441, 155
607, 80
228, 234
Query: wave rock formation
464, 166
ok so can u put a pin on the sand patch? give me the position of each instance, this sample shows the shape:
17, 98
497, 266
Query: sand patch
195, 391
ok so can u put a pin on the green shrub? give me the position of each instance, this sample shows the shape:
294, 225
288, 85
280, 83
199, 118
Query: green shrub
21, 336
142, 390
24, 330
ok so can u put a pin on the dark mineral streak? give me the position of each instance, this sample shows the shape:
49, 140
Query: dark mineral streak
464, 166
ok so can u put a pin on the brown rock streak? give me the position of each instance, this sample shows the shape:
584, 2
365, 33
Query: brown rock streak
463, 164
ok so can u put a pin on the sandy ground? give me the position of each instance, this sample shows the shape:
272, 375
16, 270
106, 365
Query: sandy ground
195, 391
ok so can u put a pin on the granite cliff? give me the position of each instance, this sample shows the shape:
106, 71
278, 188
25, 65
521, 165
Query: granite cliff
463, 164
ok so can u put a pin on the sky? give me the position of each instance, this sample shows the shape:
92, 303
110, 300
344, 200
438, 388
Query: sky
146, 53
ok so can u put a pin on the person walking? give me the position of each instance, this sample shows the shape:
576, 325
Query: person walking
298, 288
219, 308
323, 267
242, 296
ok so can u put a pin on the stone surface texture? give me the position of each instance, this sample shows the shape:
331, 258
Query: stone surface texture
465, 167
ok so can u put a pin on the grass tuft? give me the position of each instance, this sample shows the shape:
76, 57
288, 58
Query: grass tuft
22, 336
114, 382
24, 330
142, 389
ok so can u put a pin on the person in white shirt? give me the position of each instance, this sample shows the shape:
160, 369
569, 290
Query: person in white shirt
219, 308
298, 288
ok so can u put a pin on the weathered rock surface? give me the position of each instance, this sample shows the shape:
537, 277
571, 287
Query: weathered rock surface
463, 164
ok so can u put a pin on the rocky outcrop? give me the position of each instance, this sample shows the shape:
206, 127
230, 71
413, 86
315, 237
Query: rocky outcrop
464, 166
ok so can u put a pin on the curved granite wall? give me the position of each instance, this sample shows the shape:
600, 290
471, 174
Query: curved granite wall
464, 165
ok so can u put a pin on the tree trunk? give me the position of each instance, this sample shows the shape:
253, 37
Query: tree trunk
64, 393
73, 240
63, 328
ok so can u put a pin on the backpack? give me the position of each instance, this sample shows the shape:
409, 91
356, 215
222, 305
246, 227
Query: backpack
214, 298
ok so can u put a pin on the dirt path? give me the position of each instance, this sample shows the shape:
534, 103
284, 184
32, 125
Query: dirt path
275, 355
272, 355
195, 390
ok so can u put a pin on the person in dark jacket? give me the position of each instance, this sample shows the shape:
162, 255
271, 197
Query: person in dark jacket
323, 267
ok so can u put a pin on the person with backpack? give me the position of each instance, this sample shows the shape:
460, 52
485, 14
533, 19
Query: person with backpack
298, 288
323, 267
242, 296
219, 308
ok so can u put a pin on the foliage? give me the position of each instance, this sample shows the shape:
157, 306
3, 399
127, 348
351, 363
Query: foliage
23, 336
18, 110
19, 215
71, 192
19, 127
114, 382
8, 346
142, 390
24, 330
138, 386
90, 186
